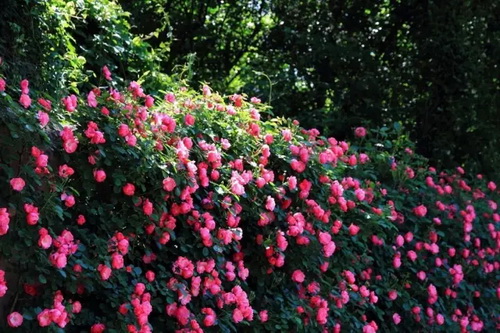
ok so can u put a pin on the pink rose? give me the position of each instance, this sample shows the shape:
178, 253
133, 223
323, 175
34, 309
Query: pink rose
492, 186
44, 318
69, 200
150, 101
433, 296
117, 261
43, 118
91, 99
139, 288
65, 171
353, 229
209, 320
184, 267
81, 220
396, 262
77, 307
25, 86
129, 189
420, 210
58, 260
412, 255
99, 175
364, 292
97, 328
17, 184
25, 101
150, 276
45, 240
104, 271
360, 194
263, 316
70, 145
400, 241
270, 204
170, 97
32, 215
322, 316
287, 135
46, 104
298, 276
123, 130
368, 329
169, 184
70, 103
237, 315
106, 72
363, 158
360, 132
329, 249
15, 319
237, 188
373, 297
189, 120
147, 207
131, 140
182, 314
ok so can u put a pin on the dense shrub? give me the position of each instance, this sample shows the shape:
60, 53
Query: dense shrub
122, 211
61, 43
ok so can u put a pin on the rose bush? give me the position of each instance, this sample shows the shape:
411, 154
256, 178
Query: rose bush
184, 211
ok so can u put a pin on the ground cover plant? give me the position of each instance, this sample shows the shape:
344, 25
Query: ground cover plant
190, 211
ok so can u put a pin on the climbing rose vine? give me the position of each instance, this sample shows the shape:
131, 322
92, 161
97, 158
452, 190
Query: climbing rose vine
123, 211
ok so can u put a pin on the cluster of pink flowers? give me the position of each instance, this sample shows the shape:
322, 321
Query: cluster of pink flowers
205, 279
93, 134
43, 115
41, 161
32, 214
70, 142
58, 314
181, 217
141, 306
44, 240
65, 246
119, 246
25, 99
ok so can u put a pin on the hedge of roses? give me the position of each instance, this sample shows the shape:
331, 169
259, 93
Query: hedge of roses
184, 211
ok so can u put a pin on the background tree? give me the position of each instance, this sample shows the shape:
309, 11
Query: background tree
330, 64
336, 64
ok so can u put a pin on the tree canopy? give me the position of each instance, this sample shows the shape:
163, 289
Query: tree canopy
433, 65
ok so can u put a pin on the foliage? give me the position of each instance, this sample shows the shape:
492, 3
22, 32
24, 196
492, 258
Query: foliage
335, 64
184, 211
61, 44
330, 64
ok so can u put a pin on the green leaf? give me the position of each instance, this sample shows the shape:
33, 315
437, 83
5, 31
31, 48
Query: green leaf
42, 279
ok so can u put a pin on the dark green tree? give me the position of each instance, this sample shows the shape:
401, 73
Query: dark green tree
333, 65
337, 64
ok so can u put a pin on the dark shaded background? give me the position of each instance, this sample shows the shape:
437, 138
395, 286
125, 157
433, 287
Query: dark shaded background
333, 65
